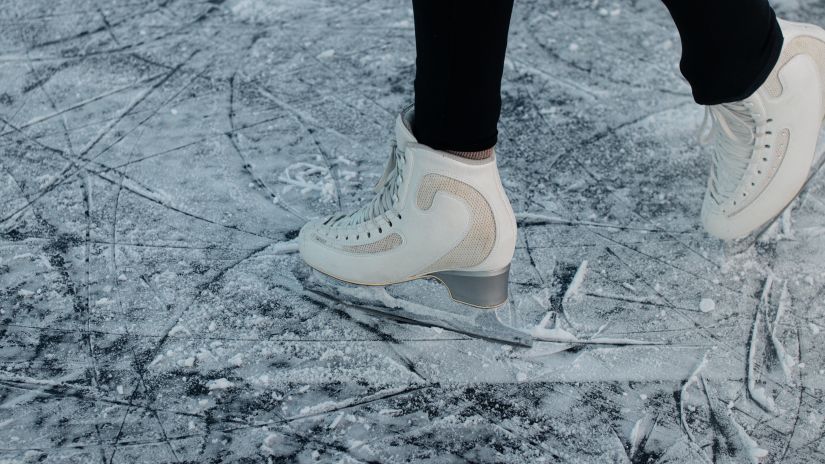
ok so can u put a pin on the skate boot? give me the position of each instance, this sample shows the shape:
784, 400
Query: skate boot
764, 145
435, 215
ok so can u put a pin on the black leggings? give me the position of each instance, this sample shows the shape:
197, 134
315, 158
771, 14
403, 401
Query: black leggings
729, 48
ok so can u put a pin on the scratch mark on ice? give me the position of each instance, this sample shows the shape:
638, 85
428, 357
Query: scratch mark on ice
578, 279
758, 393
692, 378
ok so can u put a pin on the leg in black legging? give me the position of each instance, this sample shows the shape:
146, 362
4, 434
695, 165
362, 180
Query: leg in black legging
460, 46
729, 47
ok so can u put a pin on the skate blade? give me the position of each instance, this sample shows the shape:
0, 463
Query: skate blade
737, 246
376, 301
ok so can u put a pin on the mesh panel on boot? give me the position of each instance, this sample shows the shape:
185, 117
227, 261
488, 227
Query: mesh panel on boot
478, 243
801, 45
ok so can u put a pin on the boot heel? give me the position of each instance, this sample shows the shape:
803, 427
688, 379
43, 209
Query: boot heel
484, 289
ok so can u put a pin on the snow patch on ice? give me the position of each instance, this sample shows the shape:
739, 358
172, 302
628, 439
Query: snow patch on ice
25, 293
219, 384
308, 177
707, 305
179, 328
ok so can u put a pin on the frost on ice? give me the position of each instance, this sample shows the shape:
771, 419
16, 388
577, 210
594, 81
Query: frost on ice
158, 158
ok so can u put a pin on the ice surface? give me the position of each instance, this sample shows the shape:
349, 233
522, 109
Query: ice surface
158, 157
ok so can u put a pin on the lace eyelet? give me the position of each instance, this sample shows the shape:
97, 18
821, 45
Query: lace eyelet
380, 231
389, 222
399, 216
369, 235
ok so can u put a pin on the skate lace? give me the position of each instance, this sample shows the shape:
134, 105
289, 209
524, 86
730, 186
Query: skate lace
733, 131
386, 193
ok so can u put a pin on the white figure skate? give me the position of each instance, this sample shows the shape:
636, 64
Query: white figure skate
764, 146
435, 215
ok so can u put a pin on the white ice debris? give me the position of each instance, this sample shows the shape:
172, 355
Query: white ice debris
271, 443
641, 430
281, 248
629, 287
326, 54
336, 421
309, 178
236, 360
707, 305
219, 384
179, 328
25, 293
552, 335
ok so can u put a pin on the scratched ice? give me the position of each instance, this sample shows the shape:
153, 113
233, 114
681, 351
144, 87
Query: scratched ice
157, 158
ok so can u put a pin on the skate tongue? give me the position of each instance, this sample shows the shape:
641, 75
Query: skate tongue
733, 133
403, 128
388, 170
403, 136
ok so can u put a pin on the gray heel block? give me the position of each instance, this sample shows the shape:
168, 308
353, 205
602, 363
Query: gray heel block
485, 289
